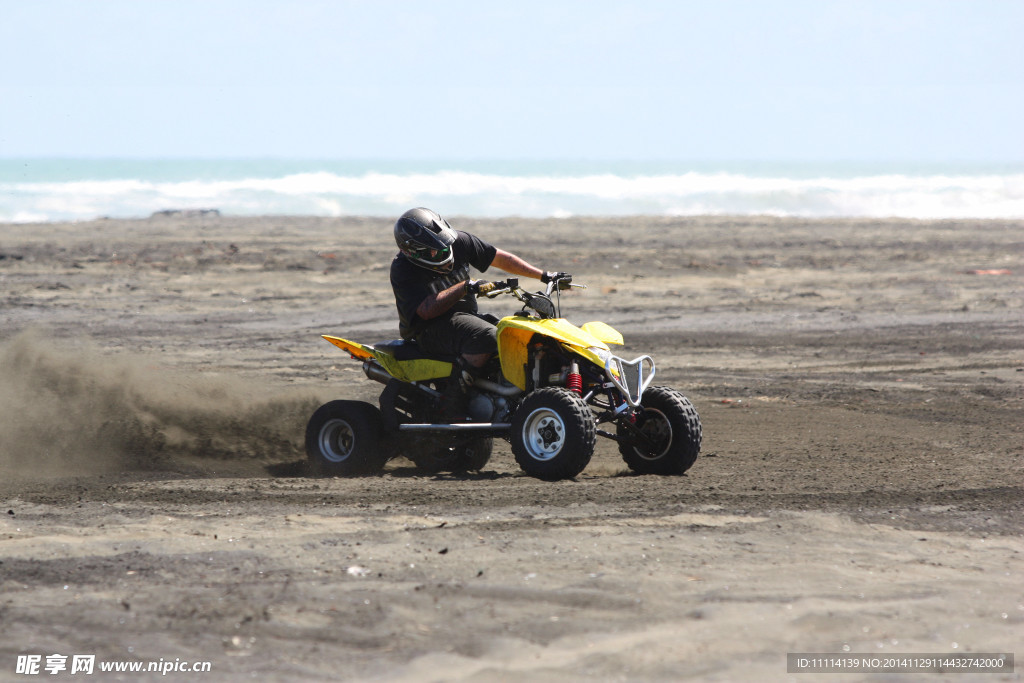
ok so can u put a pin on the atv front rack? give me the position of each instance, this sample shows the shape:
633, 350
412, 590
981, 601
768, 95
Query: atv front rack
631, 378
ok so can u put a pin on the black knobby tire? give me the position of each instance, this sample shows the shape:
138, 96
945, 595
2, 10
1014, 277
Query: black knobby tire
467, 456
553, 434
401, 403
474, 455
673, 424
345, 438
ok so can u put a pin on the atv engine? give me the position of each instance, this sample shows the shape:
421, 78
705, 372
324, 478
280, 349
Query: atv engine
488, 407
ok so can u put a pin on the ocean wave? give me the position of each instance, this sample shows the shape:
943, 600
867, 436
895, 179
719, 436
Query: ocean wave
492, 195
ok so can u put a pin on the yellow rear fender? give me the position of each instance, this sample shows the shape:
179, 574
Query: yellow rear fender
355, 349
406, 370
418, 370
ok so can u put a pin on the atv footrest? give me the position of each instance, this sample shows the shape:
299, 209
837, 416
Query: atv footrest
483, 428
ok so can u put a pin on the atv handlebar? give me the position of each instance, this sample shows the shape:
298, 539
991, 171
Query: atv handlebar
563, 285
493, 289
540, 302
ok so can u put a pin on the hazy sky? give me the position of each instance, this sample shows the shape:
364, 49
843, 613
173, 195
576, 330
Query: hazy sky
873, 80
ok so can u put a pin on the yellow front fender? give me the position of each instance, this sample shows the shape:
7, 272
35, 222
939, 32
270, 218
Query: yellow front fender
603, 331
515, 332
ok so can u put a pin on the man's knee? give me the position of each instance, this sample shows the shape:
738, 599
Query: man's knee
477, 360
476, 337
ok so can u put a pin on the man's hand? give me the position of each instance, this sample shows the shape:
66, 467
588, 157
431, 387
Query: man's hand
555, 275
478, 286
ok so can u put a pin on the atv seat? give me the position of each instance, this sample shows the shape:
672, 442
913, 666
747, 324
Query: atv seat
403, 349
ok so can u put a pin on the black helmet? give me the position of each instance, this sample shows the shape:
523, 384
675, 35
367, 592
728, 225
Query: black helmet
426, 239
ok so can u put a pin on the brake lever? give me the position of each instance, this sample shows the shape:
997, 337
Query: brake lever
561, 285
497, 288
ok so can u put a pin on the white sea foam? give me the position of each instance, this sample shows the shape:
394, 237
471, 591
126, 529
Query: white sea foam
992, 195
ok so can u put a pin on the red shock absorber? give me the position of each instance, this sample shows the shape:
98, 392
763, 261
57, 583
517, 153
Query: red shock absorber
574, 380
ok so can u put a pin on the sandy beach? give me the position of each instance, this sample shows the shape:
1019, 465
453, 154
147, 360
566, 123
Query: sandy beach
860, 488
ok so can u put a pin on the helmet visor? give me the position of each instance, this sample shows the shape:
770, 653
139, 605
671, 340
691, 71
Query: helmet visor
429, 255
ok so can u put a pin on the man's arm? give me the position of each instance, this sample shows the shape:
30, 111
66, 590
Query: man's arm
437, 304
511, 263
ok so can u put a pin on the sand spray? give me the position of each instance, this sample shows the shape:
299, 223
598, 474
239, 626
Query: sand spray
68, 408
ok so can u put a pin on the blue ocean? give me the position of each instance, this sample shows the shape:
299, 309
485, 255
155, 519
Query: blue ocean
35, 190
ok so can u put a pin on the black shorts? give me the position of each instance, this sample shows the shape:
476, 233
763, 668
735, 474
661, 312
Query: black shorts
458, 334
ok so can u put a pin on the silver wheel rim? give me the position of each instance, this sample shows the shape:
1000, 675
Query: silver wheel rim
659, 429
543, 434
337, 441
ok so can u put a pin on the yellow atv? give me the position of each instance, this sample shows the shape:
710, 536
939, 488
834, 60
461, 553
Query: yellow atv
549, 392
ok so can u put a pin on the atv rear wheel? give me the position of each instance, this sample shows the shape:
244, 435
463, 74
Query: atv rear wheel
669, 434
345, 438
468, 456
473, 455
553, 434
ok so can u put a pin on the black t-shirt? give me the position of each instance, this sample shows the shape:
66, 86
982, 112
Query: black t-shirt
412, 283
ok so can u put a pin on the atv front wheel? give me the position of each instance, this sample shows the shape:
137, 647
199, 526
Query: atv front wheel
553, 434
345, 438
666, 436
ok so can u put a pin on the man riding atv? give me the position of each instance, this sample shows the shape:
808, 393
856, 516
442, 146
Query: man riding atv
551, 389
436, 298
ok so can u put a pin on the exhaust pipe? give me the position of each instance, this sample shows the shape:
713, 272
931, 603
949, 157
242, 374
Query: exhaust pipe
495, 388
376, 372
379, 374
